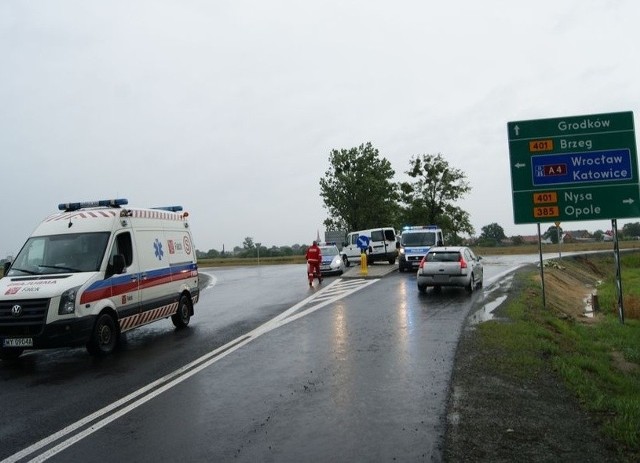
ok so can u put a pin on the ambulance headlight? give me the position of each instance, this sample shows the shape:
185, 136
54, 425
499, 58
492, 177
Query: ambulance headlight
68, 301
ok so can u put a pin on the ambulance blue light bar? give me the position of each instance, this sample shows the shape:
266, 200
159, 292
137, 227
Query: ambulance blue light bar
169, 208
68, 207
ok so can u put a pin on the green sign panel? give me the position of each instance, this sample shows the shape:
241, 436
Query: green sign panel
574, 168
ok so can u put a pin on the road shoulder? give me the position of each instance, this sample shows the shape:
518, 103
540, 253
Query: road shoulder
494, 417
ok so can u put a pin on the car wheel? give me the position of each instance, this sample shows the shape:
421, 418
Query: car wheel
392, 261
181, 318
104, 337
471, 284
345, 259
400, 268
10, 354
422, 288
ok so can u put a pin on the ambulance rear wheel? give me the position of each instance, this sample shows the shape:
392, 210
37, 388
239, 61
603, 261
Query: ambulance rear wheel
105, 336
181, 318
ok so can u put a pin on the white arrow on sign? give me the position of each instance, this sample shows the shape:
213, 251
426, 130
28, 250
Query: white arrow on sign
519, 165
628, 201
516, 129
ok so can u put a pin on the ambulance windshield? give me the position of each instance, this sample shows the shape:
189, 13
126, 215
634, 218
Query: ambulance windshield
68, 253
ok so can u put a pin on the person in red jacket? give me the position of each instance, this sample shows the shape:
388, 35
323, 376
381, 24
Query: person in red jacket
314, 257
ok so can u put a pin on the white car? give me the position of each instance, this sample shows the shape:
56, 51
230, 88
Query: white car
450, 266
332, 262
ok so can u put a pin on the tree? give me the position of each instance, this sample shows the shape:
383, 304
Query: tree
631, 230
249, 248
357, 189
492, 232
552, 234
431, 196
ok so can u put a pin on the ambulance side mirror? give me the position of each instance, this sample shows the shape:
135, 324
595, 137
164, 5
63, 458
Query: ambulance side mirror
6, 267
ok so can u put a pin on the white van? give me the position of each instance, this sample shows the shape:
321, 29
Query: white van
415, 242
382, 246
95, 270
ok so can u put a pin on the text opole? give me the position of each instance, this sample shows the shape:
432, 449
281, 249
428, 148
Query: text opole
577, 212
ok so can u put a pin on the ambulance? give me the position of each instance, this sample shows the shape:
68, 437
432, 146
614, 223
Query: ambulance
95, 270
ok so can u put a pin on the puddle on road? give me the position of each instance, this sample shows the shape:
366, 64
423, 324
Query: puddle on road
486, 312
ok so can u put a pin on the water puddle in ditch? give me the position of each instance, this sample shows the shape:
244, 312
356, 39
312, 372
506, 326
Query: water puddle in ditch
485, 313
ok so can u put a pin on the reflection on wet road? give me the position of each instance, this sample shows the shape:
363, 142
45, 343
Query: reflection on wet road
269, 370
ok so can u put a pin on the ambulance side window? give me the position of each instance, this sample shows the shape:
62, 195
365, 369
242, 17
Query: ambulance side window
122, 245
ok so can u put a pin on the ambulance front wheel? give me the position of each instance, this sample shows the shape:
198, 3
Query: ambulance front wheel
181, 318
105, 336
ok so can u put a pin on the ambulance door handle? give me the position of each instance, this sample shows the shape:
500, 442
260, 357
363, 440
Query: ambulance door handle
134, 277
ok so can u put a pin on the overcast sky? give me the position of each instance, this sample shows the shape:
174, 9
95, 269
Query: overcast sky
231, 109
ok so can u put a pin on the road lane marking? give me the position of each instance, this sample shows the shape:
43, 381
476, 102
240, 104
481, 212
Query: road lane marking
86, 426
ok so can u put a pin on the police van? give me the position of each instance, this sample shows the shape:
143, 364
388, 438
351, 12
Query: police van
381, 246
415, 242
95, 270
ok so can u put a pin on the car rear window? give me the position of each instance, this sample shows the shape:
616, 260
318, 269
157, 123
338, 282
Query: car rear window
443, 256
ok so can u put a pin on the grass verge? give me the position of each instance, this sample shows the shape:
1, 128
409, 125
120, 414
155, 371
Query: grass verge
597, 359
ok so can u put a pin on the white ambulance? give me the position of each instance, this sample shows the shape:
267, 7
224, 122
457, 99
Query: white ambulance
95, 270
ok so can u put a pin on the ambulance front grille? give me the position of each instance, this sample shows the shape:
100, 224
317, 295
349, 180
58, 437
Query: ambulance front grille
28, 320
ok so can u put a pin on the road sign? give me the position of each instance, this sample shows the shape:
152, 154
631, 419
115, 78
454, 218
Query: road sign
574, 168
362, 242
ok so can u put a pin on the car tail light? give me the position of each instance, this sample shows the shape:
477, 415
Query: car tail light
463, 263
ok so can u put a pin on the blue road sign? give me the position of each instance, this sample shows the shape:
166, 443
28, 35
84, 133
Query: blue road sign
592, 167
363, 242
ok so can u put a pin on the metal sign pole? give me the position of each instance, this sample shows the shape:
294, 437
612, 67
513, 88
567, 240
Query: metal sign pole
544, 300
616, 252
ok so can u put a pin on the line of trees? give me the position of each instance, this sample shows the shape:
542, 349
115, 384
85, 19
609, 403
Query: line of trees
359, 192
251, 249
493, 235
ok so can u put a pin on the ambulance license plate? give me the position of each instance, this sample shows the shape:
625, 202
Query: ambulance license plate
18, 342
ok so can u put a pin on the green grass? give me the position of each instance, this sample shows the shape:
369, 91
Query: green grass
598, 361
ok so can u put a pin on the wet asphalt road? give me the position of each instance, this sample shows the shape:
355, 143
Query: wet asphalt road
269, 370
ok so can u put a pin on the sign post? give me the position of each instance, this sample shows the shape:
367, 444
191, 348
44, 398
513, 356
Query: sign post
574, 169
363, 243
